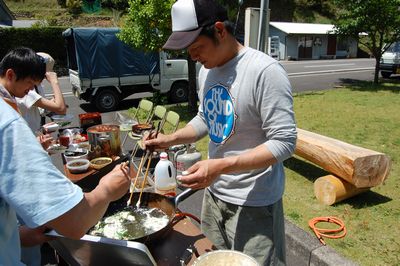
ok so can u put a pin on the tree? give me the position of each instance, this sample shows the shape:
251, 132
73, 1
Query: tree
148, 27
379, 19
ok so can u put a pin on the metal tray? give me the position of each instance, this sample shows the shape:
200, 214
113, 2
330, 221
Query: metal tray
94, 250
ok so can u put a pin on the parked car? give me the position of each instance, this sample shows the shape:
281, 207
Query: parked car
390, 61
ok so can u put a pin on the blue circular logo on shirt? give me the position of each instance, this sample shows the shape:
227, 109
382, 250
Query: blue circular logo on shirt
219, 113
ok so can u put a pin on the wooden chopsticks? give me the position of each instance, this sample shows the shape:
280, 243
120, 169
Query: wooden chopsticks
144, 179
148, 155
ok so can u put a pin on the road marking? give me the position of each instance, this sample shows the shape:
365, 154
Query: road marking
330, 71
333, 65
326, 73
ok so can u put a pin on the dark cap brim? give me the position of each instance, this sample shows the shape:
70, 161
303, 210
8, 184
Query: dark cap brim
180, 40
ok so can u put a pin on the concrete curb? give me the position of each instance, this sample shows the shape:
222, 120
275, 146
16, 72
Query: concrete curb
304, 249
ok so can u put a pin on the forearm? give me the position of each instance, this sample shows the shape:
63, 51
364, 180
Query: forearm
183, 136
76, 222
259, 157
57, 103
58, 98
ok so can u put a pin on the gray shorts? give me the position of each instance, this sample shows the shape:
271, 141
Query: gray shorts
257, 231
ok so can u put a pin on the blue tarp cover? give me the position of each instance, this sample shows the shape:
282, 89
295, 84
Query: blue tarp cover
100, 54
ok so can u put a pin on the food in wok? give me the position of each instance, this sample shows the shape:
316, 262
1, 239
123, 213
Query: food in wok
131, 223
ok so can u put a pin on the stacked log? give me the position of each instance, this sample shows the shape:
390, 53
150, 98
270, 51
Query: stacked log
331, 189
360, 167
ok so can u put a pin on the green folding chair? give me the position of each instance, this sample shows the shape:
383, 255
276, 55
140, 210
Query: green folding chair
144, 111
142, 115
171, 123
158, 116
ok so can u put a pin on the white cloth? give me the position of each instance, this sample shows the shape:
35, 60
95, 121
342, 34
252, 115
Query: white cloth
28, 110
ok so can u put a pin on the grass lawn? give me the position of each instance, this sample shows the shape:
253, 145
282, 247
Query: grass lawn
363, 115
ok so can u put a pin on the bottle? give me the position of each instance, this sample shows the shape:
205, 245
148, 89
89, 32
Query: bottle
185, 159
165, 176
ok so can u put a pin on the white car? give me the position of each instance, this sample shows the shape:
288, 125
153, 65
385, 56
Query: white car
390, 61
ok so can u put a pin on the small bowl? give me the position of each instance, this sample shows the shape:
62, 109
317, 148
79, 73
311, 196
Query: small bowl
100, 162
73, 155
139, 128
78, 166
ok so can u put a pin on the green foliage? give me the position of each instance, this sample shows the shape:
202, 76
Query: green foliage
378, 18
40, 39
148, 24
62, 3
74, 6
159, 98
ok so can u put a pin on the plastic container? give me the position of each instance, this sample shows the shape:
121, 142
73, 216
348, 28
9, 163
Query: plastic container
78, 166
165, 176
75, 154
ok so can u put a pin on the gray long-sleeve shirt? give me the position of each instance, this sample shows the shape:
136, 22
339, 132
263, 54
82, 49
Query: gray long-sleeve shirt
245, 103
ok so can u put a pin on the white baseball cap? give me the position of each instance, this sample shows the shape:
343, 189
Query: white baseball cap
188, 19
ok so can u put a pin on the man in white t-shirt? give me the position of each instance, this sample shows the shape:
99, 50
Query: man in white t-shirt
34, 103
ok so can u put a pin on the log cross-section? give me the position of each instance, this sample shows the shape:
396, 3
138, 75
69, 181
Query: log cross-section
359, 166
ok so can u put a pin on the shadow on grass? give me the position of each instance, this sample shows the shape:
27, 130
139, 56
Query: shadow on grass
390, 84
366, 199
313, 172
305, 169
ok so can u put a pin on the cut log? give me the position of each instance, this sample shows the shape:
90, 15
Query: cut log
330, 189
359, 166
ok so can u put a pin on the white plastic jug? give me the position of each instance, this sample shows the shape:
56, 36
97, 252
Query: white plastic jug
165, 176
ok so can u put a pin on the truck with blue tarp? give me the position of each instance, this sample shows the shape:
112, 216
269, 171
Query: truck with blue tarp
103, 70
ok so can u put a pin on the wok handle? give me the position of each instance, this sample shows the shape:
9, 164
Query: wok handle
183, 195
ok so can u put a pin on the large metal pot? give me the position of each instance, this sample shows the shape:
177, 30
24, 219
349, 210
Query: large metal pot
104, 140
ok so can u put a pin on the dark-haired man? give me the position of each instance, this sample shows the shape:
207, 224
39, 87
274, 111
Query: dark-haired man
30, 185
246, 108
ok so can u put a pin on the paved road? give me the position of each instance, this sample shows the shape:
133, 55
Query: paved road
304, 75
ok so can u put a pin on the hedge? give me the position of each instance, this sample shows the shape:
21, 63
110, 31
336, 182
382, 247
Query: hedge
40, 39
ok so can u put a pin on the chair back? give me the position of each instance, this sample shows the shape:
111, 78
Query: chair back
171, 122
159, 114
144, 111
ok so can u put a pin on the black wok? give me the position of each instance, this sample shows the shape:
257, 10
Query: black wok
152, 200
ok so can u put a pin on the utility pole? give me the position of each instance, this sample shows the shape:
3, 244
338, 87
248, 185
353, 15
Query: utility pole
264, 7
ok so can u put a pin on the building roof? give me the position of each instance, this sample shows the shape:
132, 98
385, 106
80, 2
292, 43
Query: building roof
5, 14
303, 28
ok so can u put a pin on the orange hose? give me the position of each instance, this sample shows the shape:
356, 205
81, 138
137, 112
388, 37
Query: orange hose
329, 233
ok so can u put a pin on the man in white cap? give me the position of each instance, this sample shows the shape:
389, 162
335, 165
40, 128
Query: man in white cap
34, 104
246, 108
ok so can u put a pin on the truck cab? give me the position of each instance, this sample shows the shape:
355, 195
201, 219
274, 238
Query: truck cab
390, 61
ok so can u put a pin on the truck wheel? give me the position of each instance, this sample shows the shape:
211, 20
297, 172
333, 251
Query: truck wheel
106, 100
386, 74
179, 92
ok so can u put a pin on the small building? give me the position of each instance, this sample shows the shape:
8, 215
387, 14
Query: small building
6, 16
300, 41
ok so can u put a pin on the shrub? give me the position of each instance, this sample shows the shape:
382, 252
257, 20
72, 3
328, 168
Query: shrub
40, 39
